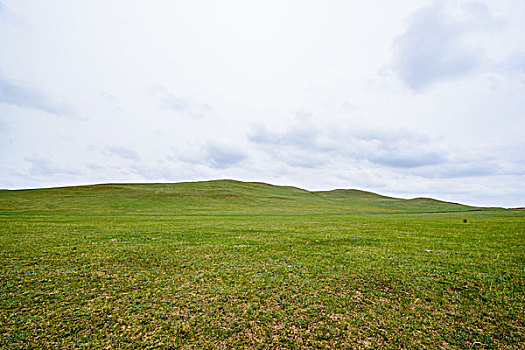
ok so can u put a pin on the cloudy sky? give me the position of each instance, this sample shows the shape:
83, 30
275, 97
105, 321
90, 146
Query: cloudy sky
405, 98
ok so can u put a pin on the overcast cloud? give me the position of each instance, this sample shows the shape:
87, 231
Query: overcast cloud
419, 98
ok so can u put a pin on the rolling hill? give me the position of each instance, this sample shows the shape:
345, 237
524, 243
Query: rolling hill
217, 196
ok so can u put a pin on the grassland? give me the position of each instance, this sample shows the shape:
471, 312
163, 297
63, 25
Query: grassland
226, 264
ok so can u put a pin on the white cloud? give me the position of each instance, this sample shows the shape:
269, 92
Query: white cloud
41, 166
215, 155
111, 101
182, 105
308, 145
19, 95
513, 67
435, 45
123, 152
223, 156
7, 14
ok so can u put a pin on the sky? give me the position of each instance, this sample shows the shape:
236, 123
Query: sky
406, 98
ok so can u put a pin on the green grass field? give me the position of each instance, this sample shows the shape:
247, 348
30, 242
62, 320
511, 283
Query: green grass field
227, 264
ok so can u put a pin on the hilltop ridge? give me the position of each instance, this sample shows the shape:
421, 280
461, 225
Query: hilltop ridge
214, 196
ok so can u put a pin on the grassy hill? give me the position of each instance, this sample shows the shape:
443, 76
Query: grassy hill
227, 264
220, 196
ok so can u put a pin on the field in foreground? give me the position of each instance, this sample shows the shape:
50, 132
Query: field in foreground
226, 264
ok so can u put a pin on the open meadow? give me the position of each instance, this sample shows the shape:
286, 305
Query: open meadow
227, 264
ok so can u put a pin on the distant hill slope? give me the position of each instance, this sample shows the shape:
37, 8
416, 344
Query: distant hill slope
217, 196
